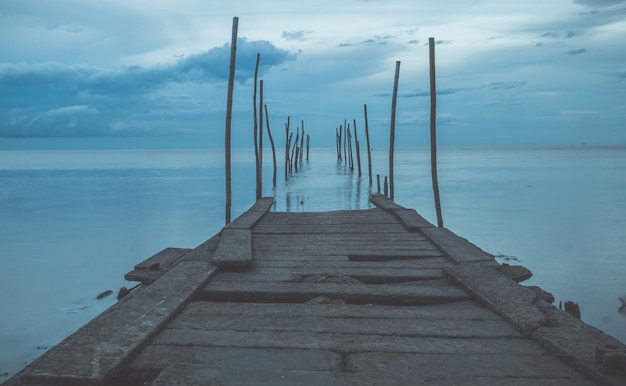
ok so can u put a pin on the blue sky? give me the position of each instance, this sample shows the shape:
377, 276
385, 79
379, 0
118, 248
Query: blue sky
86, 73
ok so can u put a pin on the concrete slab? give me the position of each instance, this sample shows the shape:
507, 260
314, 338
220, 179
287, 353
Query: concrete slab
428, 292
234, 249
501, 294
249, 218
455, 247
98, 351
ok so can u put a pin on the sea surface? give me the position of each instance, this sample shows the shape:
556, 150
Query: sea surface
73, 222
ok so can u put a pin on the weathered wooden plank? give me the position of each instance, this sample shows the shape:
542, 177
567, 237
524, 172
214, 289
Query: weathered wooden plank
445, 327
234, 248
461, 311
163, 259
371, 216
98, 351
156, 356
450, 366
384, 203
365, 275
358, 228
242, 375
253, 215
427, 292
344, 342
208, 375
503, 295
411, 220
331, 262
155, 266
585, 347
456, 248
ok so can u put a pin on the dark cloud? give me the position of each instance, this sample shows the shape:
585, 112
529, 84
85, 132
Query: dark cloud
599, 3
577, 52
55, 99
421, 93
506, 85
439, 42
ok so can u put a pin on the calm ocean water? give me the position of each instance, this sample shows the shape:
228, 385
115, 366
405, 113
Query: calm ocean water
72, 223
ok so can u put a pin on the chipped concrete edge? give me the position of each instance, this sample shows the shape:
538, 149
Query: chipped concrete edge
453, 247
583, 347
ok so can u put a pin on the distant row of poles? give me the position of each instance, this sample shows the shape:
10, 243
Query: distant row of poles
294, 151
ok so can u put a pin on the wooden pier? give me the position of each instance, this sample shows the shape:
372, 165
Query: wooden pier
360, 297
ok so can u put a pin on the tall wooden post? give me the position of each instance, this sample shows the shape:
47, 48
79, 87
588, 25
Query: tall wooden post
369, 149
269, 134
256, 135
392, 130
229, 115
259, 176
433, 131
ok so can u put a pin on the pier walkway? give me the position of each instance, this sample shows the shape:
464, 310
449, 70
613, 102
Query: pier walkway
359, 297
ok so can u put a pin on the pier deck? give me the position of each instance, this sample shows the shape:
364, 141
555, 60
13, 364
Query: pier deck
377, 296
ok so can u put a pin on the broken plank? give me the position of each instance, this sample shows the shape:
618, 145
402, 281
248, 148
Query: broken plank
503, 295
430, 292
343, 342
98, 351
455, 247
234, 248
252, 216
365, 275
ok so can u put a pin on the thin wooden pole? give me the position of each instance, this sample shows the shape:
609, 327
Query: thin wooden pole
345, 138
308, 142
229, 116
358, 148
369, 149
256, 134
302, 144
260, 170
433, 131
269, 134
392, 130
287, 141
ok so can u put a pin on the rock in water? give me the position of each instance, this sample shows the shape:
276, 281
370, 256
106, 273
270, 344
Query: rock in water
572, 309
104, 294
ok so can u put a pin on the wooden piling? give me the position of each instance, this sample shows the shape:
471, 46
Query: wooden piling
302, 143
369, 149
308, 143
392, 130
287, 140
229, 116
433, 131
260, 169
256, 134
358, 148
269, 134
349, 135
378, 182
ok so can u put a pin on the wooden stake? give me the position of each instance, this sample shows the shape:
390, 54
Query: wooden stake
256, 134
369, 149
269, 134
308, 142
433, 131
259, 177
358, 148
229, 116
302, 144
392, 130
287, 141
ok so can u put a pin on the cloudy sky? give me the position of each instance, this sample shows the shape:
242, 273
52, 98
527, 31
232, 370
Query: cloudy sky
153, 73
